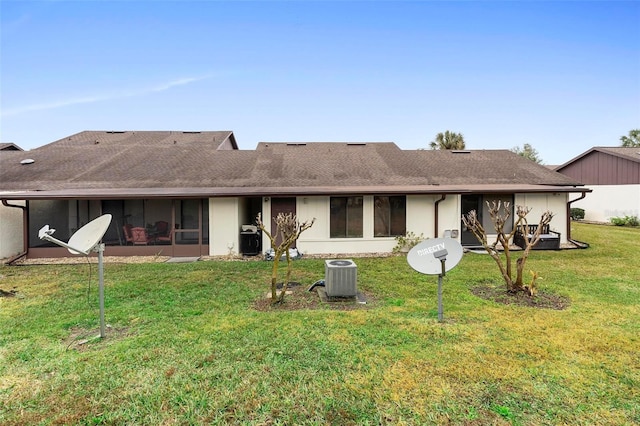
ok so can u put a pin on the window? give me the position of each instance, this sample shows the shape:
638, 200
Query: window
389, 216
346, 217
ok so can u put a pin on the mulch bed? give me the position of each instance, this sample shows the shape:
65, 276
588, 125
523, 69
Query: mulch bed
541, 300
301, 298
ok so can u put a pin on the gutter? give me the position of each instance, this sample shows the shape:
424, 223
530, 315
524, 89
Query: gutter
579, 244
435, 225
25, 235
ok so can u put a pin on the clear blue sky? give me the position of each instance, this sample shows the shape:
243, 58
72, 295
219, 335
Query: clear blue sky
561, 76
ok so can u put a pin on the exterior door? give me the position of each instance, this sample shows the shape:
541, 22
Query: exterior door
188, 232
281, 205
470, 202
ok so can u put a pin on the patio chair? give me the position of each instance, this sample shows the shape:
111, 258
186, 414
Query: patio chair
140, 236
164, 233
128, 235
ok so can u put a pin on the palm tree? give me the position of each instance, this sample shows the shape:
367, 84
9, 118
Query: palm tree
448, 140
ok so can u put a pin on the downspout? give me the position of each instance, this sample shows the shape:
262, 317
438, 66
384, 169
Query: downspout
578, 244
435, 225
25, 234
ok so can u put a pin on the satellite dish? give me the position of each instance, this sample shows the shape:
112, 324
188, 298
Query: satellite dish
83, 241
435, 257
426, 256
87, 237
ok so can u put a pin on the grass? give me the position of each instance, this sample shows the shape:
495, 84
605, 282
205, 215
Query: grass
186, 346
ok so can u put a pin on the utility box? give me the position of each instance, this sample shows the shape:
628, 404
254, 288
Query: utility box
340, 278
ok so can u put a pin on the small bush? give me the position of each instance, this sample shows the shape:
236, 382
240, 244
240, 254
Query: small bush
407, 242
632, 220
577, 213
625, 221
617, 221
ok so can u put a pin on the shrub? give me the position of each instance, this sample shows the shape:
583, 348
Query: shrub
618, 221
407, 242
577, 213
632, 220
625, 221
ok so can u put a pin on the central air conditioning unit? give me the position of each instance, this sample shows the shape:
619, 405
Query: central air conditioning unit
340, 278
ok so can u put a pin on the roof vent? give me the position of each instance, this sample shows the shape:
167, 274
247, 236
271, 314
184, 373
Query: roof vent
459, 151
28, 161
191, 133
296, 144
356, 144
115, 131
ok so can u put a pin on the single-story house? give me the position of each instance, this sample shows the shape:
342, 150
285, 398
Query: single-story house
613, 173
196, 193
7, 146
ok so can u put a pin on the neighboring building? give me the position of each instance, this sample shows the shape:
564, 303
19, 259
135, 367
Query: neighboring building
11, 220
9, 147
203, 189
613, 173
11, 228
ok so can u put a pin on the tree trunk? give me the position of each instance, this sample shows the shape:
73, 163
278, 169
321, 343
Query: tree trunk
285, 284
274, 279
519, 285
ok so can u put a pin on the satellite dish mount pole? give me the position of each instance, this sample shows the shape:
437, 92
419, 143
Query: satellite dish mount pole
100, 249
442, 256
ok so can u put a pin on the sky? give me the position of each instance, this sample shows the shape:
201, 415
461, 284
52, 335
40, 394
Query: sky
561, 76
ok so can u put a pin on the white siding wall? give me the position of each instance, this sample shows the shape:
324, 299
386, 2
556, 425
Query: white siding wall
556, 203
607, 201
226, 216
449, 215
316, 240
11, 238
224, 226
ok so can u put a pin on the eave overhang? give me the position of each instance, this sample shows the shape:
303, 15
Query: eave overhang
154, 193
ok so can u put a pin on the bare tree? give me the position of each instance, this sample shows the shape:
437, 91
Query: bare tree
500, 213
289, 229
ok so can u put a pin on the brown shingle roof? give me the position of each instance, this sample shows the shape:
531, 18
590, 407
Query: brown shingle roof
150, 163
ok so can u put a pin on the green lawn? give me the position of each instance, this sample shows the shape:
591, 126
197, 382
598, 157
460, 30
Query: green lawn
187, 347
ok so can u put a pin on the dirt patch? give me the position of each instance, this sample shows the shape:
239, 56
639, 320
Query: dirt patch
298, 297
82, 339
542, 300
10, 293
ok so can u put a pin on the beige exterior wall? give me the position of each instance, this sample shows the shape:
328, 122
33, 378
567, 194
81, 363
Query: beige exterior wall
11, 237
449, 215
226, 218
224, 226
607, 201
316, 240
556, 203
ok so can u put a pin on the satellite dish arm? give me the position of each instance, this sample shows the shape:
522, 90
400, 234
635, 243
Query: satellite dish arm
45, 234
